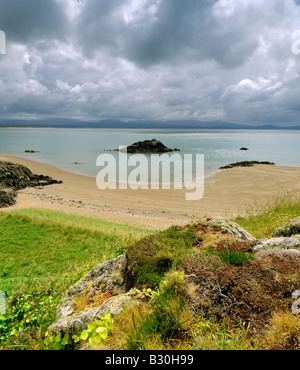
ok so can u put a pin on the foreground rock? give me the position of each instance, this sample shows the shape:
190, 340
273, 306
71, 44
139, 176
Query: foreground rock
231, 228
289, 229
148, 147
227, 272
280, 242
100, 292
245, 164
8, 197
15, 177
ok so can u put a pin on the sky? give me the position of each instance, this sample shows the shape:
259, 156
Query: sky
209, 60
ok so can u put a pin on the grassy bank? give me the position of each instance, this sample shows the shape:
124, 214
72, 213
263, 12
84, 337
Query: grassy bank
43, 252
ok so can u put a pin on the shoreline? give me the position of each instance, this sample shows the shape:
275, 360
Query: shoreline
227, 193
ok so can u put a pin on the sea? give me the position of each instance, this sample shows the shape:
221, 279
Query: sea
77, 150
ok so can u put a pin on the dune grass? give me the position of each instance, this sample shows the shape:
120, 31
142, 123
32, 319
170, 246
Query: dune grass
260, 221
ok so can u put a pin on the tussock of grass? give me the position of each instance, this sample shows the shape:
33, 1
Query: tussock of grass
283, 332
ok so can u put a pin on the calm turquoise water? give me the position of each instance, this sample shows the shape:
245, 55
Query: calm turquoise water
63, 147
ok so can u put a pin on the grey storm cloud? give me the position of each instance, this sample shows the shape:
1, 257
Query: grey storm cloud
165, 31
31, 20
225, 60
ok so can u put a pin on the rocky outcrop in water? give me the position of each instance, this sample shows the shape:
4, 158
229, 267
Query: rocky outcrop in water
245, 164
148, 147
15, 177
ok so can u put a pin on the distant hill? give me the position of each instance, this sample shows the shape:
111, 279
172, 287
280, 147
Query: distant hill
139, 124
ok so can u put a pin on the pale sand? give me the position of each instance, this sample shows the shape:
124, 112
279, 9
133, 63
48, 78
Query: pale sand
227, 193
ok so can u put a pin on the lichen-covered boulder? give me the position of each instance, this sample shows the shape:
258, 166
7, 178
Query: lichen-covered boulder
106, 277
281, 242
77, 321
100, 292
227, 226
289, 229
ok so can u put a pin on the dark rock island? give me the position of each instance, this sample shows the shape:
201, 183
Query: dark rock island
245, 164
15, 177
148, 147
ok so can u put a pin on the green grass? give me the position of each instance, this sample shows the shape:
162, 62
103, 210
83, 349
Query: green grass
260, 221
42, 253
42, 246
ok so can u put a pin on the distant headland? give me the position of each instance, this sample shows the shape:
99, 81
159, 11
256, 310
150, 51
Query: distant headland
138, 124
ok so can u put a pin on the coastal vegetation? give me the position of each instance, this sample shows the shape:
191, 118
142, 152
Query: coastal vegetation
43, 253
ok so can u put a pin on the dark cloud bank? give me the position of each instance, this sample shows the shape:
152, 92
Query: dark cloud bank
157, 60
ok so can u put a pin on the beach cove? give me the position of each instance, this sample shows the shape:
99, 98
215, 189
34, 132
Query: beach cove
228, 193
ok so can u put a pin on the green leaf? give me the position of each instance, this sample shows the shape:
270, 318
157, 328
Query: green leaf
98, 339
84, 335
103, 332
57, 339
75, 338
65, 340
91, 326
57, 346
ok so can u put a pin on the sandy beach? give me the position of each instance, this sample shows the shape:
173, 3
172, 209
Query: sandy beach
227, 193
